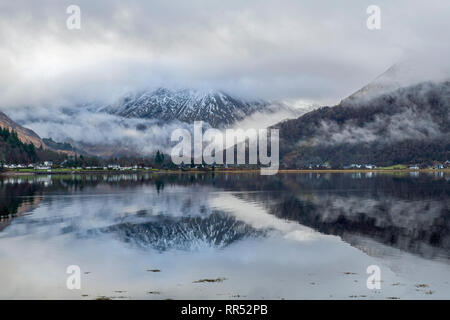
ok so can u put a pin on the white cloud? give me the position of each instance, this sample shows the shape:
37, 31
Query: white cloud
268, 49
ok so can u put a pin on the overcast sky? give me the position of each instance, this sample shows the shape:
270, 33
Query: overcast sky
273, 49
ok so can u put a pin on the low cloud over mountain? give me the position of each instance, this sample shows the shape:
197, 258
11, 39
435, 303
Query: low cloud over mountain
407, 125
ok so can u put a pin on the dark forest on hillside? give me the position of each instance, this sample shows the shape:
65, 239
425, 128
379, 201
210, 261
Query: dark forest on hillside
409, 125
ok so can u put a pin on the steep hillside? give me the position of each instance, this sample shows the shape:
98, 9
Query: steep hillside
12, 150
25, 135
20, 145
407, 125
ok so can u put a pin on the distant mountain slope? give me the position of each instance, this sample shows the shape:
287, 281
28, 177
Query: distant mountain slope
386, 82
25, 135
407, 125
20, 145
61, 147
403, 74
217, 108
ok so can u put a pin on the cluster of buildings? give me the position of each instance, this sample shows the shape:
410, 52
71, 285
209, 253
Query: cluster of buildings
435, 165
360, 166
115, 167
120, 168
46, 165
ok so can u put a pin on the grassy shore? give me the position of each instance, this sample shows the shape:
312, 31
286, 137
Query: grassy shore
62, 171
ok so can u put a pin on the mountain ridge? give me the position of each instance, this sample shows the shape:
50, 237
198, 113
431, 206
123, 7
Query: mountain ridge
215, 107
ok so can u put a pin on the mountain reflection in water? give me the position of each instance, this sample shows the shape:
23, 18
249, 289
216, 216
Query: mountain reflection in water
184, 233
410, 213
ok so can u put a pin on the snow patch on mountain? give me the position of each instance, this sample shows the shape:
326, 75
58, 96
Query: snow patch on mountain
215, 107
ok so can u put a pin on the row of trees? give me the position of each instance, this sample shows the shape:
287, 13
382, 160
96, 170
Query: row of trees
159, 160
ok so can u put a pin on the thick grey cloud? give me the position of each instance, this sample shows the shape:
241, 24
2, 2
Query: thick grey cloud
106, 134
320, 51
398, 127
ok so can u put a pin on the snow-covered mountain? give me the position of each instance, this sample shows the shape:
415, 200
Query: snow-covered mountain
215, 107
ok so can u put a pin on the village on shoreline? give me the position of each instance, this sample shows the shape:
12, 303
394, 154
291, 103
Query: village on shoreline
46, 170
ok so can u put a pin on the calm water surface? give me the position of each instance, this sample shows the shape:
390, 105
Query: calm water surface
291, 236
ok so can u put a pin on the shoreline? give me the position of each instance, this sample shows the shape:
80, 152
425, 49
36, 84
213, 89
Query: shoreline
85, 172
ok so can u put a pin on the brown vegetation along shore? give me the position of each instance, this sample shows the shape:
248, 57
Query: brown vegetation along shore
14, 173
